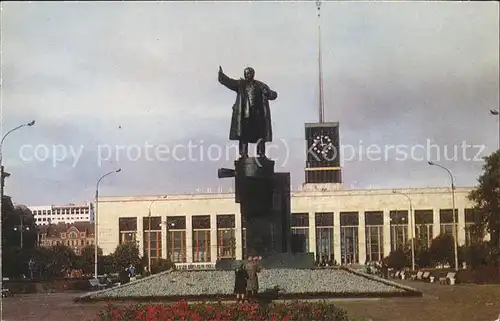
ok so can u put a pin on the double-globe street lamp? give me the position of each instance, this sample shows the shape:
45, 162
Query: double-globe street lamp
96, 212
455, 230
411, 216
21, 228
149, 230
2, 174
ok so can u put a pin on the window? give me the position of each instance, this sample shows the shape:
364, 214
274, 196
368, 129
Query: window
446, 225
300, 232
128, 230
176, 238
201, 238
324, 236
226, 237
374, 233
399, 229
152, 237
63, 235
473, 232
423, 226
72, 235
349, 245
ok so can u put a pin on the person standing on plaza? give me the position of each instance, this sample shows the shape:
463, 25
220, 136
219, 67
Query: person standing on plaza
240, 282
253, 268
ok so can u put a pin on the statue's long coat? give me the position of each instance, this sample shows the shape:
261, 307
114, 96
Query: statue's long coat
260, 127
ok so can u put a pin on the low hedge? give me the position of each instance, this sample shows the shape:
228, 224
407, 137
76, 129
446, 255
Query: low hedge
56, 285
294, 311
264, 296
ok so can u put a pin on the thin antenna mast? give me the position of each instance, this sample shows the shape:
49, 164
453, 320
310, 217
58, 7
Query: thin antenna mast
320, 68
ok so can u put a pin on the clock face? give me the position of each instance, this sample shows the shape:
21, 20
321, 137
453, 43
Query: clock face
323, 147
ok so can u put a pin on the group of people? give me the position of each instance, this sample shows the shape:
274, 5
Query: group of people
379, 268
324, 261
246, 280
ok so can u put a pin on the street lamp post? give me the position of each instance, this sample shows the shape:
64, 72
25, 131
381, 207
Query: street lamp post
31, 123
149, 230
411, 227
2, 175
455, 230
496, 112
96, 211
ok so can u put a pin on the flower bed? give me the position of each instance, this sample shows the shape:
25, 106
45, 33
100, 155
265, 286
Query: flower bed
294, 311
289, 284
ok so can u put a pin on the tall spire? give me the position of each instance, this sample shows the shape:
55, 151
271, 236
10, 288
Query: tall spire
321, 100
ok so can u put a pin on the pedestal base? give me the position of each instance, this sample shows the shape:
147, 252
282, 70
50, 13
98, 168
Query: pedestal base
264, 199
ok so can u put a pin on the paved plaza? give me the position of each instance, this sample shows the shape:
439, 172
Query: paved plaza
440, 302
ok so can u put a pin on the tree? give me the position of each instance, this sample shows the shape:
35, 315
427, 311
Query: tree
162, 265
442, 249
476, 254
88, 259
42, 257
14, 260
106, 264
61, 260
125, 255
398, 259
486, 197
422, 254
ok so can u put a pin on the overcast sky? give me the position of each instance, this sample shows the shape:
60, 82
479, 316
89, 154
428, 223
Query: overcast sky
110, 77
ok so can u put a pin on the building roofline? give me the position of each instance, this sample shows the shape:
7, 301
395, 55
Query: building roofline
303, 193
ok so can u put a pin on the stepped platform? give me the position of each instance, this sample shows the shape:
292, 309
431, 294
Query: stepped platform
274, 284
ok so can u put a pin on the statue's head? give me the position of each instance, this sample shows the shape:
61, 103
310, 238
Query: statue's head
249, 73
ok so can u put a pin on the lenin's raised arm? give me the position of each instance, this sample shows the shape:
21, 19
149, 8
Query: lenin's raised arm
230, 83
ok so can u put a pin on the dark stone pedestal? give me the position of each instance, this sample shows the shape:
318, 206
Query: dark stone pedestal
264, 198
254, 192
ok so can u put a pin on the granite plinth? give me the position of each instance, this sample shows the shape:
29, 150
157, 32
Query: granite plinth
264, 199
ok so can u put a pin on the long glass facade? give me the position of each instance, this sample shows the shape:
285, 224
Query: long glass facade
331, 236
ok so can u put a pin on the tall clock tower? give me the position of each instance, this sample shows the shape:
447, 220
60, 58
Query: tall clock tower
322, 171
323, 153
